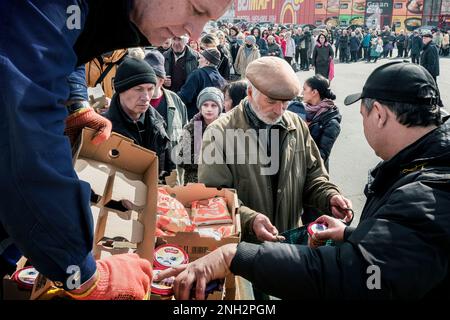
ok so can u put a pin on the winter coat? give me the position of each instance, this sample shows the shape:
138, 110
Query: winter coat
187, 142
262, 46
401, 39
242, 61
197, 81
343, 42
402, 239
290, 48
225, 64
177, 116
301, 171
416, 45
430, 59
274, 49
366, 41
321, 59
155, 137
373, 48
190, 66
354, 43
324, 130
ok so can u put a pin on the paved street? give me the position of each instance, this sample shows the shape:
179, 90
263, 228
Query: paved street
352, 157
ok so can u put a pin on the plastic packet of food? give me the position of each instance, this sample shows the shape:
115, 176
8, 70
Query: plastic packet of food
210, 212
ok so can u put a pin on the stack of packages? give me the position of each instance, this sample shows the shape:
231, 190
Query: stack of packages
209, 217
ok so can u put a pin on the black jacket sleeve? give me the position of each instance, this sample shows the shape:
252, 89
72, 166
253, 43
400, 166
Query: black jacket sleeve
331, 131
406, 239
298, 272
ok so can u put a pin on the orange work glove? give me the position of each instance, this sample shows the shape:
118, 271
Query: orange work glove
120, 277
87, 117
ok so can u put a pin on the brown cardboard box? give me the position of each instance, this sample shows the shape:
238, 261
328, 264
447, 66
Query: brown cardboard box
197, 246
132, 175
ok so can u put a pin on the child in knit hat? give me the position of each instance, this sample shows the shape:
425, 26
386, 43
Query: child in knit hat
210, 105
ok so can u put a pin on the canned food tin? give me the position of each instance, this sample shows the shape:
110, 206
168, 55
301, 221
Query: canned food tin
25, 277
167, 256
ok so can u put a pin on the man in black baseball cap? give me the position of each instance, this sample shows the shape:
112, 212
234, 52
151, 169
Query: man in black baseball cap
399, 82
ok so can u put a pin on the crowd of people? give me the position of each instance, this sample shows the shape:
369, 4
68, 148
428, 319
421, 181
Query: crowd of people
176, 99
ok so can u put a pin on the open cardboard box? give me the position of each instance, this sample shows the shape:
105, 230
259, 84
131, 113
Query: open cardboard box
120, 170
197, 246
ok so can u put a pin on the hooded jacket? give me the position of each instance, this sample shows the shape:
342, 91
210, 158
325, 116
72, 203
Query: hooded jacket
404, 233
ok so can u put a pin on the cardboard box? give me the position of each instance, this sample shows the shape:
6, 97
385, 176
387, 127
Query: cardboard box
195, 245
131, 173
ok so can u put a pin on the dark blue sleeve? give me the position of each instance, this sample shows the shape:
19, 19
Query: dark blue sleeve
45, 207
77, 84
188, 93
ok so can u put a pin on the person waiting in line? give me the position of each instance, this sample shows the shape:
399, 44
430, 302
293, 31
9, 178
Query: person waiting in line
322, 56
210, 103
274, 49
131, 114
167, 102
322, 115
234, 93
247, 53
207, 75
210, 41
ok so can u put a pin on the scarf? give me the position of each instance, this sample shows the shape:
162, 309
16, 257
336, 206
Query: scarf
248, 51
313, 112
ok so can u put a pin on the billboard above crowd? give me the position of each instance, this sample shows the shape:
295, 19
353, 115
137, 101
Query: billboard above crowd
401, 14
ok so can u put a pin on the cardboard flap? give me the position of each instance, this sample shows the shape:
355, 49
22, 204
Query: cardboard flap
127, 187
132, 230
95, 173
118, 150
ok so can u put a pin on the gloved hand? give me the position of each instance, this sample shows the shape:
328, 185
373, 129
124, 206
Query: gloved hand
87, 117
120, 277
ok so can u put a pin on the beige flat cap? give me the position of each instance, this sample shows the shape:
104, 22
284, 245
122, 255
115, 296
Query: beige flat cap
273, 77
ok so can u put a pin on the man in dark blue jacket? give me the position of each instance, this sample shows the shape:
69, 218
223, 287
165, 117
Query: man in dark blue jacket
416, 45
45, 208
400, 249
207, 75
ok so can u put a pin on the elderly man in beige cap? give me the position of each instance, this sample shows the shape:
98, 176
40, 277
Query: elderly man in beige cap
280, 167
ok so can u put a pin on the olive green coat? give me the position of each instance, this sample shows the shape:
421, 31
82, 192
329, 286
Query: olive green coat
302, 177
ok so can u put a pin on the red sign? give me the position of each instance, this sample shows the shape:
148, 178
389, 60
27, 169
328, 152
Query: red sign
277, 11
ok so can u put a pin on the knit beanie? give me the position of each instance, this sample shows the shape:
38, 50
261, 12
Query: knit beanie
251, 39
133, 72
212, 55
156, 60
210, 94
